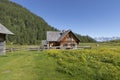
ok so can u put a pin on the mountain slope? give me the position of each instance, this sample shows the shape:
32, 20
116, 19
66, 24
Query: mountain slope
27, 27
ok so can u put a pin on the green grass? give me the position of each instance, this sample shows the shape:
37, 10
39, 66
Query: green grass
98, 63
28, 66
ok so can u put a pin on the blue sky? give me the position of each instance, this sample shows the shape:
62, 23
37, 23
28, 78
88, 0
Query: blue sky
96, 18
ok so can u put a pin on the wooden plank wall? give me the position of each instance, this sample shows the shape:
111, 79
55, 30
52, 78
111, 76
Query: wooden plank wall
2, 48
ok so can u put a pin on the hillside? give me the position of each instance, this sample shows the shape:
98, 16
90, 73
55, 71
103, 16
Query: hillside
27, 27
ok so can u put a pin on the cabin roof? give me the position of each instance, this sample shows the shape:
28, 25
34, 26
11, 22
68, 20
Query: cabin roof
4, 30
57, 35
53, 35
65, 33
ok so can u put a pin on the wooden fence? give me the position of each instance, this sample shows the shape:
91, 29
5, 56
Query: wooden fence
43, 48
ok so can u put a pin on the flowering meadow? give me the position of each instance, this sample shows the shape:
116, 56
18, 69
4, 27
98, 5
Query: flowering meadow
89, 64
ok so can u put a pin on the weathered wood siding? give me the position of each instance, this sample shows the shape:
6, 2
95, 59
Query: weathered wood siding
2, 48
69, 41
2, 44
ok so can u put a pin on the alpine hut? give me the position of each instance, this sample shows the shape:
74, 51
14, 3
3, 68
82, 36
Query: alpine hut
3, 32
61, 39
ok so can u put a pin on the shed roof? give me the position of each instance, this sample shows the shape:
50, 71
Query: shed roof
4, 30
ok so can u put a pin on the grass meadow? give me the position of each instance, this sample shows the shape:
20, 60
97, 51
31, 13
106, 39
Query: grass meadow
99, 63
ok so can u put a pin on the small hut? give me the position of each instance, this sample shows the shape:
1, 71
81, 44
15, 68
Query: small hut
3, 32
63, 39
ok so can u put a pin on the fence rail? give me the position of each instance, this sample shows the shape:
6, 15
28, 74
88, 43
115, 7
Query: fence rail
84, 47
44, 48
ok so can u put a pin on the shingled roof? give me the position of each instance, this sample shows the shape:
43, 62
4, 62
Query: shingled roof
4, 30
53, 35
57, 35
65, 33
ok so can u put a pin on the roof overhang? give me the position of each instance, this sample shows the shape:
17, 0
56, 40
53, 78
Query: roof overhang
65, 33
4, 30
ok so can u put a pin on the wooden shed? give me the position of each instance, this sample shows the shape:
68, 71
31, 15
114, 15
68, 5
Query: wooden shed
3, 32
63, 39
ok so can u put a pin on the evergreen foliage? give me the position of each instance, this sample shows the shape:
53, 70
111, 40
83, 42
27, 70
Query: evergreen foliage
115, 41
27, 27
85, 39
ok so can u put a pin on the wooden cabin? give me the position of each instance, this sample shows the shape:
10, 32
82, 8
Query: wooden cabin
65, 39
3, 32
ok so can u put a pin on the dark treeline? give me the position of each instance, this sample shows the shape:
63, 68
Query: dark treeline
85, 39
114, 41
27, 27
